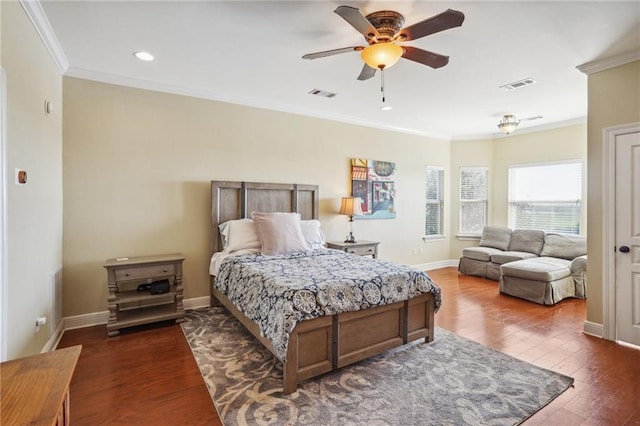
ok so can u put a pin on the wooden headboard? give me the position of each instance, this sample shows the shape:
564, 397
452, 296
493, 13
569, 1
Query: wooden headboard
236, 200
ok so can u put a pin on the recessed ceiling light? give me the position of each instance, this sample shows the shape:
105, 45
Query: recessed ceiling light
144, 56
386, 108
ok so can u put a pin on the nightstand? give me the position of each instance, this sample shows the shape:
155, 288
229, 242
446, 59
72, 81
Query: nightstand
361, 248
129, 307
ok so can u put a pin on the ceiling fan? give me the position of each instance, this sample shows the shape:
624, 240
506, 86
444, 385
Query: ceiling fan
383, 31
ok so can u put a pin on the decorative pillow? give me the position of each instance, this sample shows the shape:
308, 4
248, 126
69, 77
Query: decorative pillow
496, 237
527, 240
239, 234
564, 246
312, 233
279, 233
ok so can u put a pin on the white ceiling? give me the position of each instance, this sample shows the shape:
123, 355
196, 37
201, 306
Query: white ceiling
249, 52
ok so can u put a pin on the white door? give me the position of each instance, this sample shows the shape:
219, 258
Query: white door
627, 256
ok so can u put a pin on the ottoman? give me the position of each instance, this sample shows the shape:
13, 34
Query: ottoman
543, 280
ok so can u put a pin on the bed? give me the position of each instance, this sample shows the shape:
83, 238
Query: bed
317, 345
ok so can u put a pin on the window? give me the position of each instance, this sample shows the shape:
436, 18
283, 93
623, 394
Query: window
546, 197
473, 200
434, 210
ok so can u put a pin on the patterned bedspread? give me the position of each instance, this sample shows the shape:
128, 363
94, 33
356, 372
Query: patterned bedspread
277, 292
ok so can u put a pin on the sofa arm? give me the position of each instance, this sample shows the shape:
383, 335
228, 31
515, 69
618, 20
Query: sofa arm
579, 274
579, 265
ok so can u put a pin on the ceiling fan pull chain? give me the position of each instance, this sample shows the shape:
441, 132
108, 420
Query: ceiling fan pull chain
382, 83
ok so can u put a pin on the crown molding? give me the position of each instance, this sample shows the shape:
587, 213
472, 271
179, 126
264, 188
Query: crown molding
611, 62
36, 15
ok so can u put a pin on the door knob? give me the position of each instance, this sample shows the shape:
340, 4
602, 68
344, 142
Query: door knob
624, 249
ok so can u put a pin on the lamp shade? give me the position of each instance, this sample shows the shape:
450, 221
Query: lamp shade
350, 206
381, 55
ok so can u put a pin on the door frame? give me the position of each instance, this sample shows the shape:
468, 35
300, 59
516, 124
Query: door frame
3, 216
609, 135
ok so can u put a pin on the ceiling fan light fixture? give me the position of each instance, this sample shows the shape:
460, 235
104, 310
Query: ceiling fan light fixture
508, 124
382, 55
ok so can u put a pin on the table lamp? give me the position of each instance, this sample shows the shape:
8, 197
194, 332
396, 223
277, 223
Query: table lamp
350, 206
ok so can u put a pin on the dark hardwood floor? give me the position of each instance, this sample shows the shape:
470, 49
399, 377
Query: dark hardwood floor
148, 376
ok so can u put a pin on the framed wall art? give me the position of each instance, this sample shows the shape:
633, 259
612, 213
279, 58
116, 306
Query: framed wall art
374, 182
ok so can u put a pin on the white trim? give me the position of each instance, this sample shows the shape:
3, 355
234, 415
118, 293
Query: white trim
38, 18
628, 345
4, 245
593, 329
99, 318
525, 130
469, 237
53, 341
436, 265
197, 302
609, 135
86, 320
607, 63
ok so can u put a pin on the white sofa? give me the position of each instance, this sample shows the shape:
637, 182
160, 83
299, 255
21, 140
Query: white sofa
530, 264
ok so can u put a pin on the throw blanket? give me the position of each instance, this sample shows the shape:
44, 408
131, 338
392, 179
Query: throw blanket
277, 292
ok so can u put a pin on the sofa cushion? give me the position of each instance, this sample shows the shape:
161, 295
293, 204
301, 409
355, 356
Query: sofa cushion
510, 256
496, 237
527, 240
480, 253
564, 246
545, 269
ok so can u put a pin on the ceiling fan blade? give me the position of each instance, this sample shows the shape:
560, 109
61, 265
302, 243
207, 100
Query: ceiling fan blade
331, 52
357, 21
366, 73
433, 60
448, 19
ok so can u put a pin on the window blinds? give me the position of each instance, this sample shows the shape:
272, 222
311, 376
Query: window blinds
473, 200
434, 210
546, 197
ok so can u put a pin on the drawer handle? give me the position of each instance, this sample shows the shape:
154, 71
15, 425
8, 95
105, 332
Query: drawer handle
127, 274
165, 270
370, 250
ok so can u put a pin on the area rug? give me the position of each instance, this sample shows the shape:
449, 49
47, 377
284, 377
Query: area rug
451, 381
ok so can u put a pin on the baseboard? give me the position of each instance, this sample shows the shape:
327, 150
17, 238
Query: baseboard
593, 329
197, 302
98, 318
53, 341
436, 265
86, 320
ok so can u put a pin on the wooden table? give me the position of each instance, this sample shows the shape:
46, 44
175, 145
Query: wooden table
35, 389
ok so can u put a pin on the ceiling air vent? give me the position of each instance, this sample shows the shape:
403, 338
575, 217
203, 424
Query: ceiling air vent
322, 93
519, 84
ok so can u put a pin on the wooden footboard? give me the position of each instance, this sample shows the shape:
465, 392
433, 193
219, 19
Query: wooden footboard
323, 344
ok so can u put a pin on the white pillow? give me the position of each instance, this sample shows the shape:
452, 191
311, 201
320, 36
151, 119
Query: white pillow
239, 234
279, 233
312, 233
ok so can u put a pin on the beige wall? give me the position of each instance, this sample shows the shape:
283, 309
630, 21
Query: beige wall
614, 99
34, 210
137, 167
